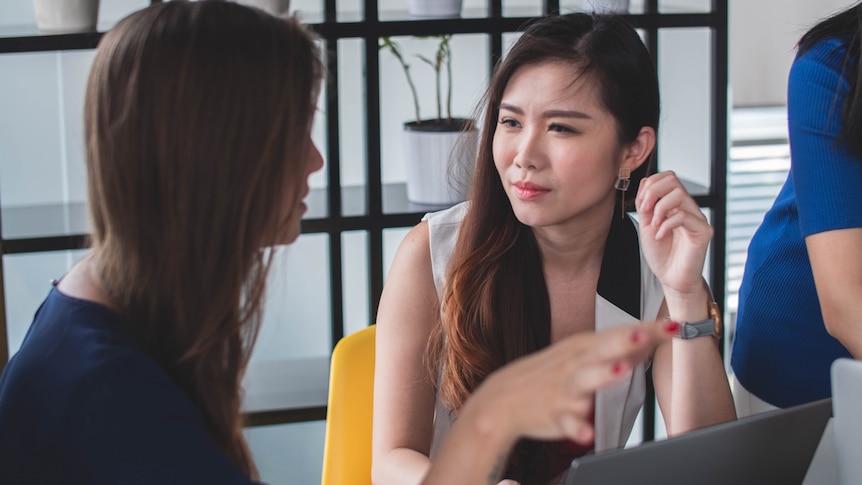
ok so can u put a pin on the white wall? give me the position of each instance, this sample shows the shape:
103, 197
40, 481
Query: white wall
763, 37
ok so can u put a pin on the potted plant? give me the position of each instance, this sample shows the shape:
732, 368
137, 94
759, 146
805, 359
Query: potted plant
279, 8
439, 152
427, 9
66, 16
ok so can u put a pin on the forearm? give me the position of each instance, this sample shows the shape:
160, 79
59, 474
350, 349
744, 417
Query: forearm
842, 320
475, 450
837, 267
401, 466
699, 390
700, 393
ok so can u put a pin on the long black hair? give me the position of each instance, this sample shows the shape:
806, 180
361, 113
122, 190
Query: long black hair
846, 24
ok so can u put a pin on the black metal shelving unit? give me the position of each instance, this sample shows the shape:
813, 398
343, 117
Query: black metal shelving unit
377, 206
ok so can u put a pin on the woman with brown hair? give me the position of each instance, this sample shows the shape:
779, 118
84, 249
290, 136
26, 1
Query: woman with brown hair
544, 256
198, 119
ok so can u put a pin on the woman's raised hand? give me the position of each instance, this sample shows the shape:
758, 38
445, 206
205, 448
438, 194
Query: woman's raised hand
549, 394
675, 233
546, 395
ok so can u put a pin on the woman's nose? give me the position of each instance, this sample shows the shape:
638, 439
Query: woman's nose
529, 152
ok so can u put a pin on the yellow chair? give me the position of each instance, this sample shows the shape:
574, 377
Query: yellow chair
347, 451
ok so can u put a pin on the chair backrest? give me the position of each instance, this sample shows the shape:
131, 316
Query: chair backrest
347, 451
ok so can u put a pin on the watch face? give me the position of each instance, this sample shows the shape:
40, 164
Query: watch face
715, 314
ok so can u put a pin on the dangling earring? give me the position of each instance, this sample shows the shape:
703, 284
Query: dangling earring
622, 184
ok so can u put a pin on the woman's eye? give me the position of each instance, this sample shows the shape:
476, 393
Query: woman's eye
562, 129
509, 122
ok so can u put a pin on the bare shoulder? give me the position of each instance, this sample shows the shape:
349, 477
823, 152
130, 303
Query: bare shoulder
409, 294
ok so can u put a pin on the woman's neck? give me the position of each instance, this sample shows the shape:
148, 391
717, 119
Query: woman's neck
82, 282
574, 249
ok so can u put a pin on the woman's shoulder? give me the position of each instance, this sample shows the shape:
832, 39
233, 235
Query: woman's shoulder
829, 52
77, 351
452, 215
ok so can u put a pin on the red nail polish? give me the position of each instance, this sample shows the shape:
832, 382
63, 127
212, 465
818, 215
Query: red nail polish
617, 368
671, 326
637, 336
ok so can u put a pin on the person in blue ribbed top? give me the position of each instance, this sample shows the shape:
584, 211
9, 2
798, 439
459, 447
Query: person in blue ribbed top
800, 303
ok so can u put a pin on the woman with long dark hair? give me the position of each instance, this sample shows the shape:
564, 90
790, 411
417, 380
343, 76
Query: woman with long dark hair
542, 256
801, 293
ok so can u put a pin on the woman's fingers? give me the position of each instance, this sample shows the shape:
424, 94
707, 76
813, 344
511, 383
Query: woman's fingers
550, 394
624, 344
664, 205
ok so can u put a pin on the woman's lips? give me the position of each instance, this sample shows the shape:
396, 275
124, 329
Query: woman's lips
529, 191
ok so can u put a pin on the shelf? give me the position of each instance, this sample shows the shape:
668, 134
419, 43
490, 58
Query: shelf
286, 391
57, 227
27, 38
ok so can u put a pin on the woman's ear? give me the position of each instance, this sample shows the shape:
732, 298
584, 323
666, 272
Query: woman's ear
637, 152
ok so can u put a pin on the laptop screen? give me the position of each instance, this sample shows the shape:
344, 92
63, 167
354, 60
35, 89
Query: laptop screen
769, 448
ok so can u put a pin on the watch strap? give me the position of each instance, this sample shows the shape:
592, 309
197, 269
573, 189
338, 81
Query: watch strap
703, 328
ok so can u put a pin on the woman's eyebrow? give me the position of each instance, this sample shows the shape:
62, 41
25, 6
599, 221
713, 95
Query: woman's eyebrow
554, 113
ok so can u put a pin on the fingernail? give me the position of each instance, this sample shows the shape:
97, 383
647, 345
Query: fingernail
637, 336
671, 326
617, 368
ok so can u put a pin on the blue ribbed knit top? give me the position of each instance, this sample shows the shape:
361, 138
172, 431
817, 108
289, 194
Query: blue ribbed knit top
781, 350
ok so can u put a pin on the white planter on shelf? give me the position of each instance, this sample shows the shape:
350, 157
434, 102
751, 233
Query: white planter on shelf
434, 9
66, 16
609, 6
438, 163
279, 8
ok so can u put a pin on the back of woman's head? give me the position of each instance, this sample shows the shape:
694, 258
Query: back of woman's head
604, 50
197, 121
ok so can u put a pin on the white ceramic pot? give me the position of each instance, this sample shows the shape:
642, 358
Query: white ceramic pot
438, 164
609, 6
279, 8
434, 9
66, 16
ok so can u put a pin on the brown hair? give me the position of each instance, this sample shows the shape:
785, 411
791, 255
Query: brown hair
197, 119
495, 306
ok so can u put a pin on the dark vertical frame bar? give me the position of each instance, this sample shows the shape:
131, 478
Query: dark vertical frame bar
718, 178
333, 190
374, 192
551, 6
495, 40
649, 414
4, 340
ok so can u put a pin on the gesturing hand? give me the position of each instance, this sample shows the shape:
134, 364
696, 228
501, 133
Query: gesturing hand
549, 395
674, 232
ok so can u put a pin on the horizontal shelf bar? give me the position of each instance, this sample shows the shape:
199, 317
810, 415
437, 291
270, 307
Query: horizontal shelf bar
285, 416
35, 229
26, 40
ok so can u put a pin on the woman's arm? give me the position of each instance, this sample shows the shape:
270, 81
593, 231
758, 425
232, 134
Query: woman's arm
826, 179
689, 378
403, 393
836, 261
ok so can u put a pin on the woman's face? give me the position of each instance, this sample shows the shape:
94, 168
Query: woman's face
556, 147
312, 163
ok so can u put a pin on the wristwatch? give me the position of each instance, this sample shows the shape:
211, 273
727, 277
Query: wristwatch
712, 326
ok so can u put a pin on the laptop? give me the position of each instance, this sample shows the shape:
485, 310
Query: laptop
768, 448
847, 423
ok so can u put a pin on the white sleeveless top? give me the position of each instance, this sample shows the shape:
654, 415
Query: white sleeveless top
617, 406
